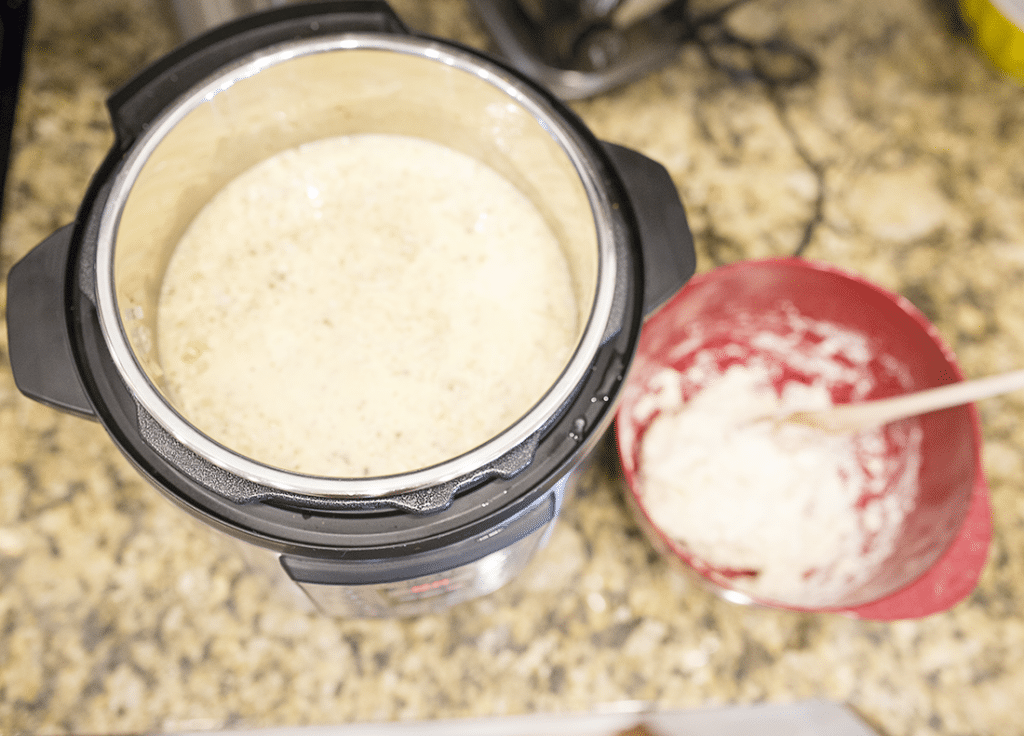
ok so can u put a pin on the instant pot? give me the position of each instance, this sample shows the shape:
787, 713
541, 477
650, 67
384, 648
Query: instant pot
81, 306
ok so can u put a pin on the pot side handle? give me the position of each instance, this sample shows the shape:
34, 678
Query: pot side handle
669, 259
37, 332
139, 101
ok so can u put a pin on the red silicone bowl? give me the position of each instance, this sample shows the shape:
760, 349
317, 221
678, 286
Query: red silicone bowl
943, 543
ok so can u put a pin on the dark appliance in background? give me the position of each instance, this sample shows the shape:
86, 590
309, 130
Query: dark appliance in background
580, 48
14, 19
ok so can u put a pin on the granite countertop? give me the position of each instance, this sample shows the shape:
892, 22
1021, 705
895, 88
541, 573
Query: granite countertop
901, 161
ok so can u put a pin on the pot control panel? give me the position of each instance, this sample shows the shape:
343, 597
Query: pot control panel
460, 573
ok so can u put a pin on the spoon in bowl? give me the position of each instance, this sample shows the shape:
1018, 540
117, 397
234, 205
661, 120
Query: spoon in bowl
850, 418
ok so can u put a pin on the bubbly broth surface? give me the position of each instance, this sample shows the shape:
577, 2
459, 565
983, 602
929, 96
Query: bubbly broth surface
362, 306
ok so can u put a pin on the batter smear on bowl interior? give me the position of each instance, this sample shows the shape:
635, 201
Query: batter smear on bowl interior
364, 305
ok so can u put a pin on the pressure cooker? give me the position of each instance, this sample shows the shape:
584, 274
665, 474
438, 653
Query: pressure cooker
81, 308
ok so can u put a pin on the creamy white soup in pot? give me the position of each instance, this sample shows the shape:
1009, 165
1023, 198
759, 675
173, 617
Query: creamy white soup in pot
362, 306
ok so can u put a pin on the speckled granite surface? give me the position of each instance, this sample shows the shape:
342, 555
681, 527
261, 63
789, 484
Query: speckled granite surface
902, 161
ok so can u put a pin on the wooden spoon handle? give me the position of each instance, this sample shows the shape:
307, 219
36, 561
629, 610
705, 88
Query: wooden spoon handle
867, 414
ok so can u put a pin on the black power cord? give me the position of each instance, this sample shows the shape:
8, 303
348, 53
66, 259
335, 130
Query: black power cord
775, 62
575, 40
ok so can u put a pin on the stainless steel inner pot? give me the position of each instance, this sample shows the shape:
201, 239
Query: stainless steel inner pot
311, 89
